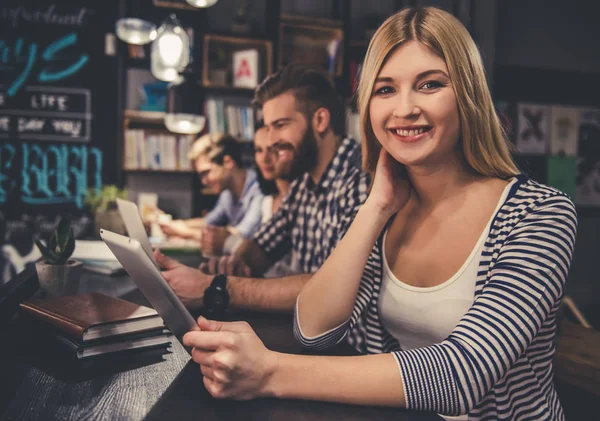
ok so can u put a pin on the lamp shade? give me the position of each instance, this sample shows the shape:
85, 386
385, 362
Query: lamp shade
201, 3
184, 108
135, 31
170, 51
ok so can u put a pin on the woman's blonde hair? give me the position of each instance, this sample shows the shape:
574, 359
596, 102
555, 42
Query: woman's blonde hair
484, 142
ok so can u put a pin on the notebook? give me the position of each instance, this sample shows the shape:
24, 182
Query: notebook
87, 317
136, 341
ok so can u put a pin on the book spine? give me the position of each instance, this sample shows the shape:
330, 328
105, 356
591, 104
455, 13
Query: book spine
70, 327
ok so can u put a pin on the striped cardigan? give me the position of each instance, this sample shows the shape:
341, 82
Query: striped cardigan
497, 363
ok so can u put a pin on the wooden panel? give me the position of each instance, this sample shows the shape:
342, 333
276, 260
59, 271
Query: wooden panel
577, 359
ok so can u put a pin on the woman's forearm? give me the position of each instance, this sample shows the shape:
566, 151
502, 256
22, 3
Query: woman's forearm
327, 299
360, 380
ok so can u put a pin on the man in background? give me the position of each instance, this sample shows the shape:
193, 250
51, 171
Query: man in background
218, 161
305, 119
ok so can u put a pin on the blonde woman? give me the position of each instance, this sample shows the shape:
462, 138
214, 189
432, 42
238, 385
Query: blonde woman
451, 273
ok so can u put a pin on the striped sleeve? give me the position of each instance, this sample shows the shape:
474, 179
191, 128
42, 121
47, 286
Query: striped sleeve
365, 292
525, 286
351, 198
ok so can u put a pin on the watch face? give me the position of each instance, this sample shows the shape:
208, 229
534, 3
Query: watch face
215, 299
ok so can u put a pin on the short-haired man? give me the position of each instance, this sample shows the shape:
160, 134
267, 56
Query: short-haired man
306, 118
218, 161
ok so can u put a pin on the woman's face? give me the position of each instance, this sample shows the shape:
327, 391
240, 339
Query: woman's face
413, 108
263, 155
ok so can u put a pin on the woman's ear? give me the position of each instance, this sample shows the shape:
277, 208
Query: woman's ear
321, 120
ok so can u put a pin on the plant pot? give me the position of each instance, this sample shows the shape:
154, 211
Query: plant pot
59, 279
109, 220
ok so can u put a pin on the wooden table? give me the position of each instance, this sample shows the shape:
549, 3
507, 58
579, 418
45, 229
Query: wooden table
39, 382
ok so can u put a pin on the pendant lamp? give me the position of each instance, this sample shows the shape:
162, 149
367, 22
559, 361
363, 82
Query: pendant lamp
201, 3
135, 31
170, 51
184, 107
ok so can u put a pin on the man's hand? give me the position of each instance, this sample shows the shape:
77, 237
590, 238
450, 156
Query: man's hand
213, 239
176, 228
227, 265
234, 361
188, 283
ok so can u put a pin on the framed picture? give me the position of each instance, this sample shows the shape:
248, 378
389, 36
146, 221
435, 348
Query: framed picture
320, 45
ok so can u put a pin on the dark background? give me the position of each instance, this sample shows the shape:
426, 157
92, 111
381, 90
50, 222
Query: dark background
534, 51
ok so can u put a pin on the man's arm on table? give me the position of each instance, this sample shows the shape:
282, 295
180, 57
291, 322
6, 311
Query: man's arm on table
195, 222
259, 294
252, 256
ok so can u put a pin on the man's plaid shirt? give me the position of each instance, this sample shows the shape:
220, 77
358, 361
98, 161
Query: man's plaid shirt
313, 218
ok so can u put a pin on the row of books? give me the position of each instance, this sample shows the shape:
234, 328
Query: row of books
153, 151
235, 120
89, 325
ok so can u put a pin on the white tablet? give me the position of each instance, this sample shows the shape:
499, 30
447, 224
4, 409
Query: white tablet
150, 281
134, 224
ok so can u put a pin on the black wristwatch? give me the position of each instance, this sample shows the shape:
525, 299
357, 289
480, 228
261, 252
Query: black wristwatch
216, 297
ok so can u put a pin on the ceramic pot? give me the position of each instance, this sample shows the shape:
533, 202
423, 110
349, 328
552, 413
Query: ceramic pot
59, 279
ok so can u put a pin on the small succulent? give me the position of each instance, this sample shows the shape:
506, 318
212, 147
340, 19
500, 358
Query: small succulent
61, 244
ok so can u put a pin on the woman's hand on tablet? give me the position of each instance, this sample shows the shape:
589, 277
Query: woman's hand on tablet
187, 282
234, 361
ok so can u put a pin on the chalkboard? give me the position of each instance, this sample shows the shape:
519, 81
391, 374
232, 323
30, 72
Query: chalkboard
58, 104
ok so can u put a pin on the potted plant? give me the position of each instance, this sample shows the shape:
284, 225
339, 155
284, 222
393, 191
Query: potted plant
102, 203
56, 270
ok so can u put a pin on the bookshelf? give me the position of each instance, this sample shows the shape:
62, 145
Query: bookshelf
148, 146
280, 31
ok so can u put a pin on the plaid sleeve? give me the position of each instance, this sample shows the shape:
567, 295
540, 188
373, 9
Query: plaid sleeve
274, 236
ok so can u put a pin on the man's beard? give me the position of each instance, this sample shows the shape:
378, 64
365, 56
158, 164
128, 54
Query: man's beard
305, 157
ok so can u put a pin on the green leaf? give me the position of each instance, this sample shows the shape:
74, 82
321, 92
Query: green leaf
43, 249
69, 247
52, 245
62, 232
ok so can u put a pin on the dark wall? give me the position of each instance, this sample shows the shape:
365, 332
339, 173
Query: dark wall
547, 52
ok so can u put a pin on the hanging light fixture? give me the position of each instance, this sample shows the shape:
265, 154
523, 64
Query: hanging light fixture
135, 31
170, 51
184, 107
201, 3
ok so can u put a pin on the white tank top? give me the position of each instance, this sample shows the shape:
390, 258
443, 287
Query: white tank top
422, 316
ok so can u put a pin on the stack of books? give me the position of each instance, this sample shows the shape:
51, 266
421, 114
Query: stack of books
96, 324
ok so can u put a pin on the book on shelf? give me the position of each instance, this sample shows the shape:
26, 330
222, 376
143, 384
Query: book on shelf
137, 341
236, 120
87, 317
155, 151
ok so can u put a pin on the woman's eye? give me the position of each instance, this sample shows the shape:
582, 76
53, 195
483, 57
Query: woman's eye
384, 90
431, 85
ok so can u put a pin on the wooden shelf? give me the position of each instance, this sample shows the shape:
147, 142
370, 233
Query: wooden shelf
157, 171
310, 20
227, 90
175, 4
148, 117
